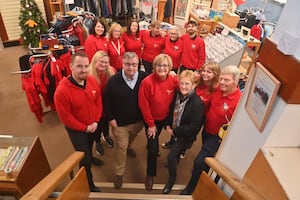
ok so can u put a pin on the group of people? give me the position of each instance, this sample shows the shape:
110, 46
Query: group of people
107, 88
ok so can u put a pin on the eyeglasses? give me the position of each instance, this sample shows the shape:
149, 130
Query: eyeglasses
130, 64
162, 66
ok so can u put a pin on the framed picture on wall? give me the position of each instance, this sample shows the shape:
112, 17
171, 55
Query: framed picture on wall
263, 90
180, 8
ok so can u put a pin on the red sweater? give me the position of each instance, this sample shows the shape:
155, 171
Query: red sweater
174, 50
133, 43
116, 51
220, 107
203, 93
93, 44
193, 56
78, 107
155, 97
152, 46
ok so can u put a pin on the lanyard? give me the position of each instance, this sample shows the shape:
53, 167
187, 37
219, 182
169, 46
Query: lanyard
118, 50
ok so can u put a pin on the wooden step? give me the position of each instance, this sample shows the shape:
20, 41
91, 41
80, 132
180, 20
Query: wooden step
137, 186
101, 195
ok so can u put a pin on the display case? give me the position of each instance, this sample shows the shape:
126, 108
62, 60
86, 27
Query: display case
225, 48
23, 164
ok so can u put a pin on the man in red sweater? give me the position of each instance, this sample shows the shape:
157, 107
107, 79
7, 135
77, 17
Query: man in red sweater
220, 111
193, 56
79, 106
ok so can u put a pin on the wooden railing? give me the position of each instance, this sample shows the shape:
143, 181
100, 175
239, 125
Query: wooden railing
47, 185
240, 188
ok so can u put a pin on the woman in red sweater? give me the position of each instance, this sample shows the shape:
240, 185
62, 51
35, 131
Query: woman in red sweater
174, 47
153, 43
101, 69
132, 39
155, 96
116, 47
97, 40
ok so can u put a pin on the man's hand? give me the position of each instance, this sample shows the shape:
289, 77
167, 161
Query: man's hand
113, 123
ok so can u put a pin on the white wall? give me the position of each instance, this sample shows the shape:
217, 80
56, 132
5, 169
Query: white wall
282, 129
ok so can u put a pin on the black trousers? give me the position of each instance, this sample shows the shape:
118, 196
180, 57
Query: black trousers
173, 158
148, 66
103, 127
210, 145
153, 148
82, 141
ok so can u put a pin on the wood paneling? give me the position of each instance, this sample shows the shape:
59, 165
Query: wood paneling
284, 67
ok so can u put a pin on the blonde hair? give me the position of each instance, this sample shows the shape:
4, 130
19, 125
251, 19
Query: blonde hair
215, 68
109, 72
113, 27
161, 57
187, 74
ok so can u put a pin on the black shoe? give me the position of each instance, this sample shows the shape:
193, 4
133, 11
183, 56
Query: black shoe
97, 161
149, 183
167, 145
168, 187
99, 148
186, 191
131, 153
95, 189
110, 143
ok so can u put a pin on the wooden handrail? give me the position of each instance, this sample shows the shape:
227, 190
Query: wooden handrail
46, 186
240, 187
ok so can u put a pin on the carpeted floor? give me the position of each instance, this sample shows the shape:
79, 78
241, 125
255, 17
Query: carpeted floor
17, 119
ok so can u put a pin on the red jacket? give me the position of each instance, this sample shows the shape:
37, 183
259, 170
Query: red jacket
93, 44
133, 43
193, 56
155, 97
78, 107
220, 108
116, 51
174, 50
152, 46
205, 96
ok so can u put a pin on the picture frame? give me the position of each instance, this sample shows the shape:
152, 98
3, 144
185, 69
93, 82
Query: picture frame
263, 90
180, 9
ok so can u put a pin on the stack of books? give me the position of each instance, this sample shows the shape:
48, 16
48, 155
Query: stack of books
12, 157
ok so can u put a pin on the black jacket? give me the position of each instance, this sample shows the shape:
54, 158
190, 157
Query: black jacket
191, 119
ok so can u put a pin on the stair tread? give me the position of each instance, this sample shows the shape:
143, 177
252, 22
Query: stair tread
137, 186
137, 196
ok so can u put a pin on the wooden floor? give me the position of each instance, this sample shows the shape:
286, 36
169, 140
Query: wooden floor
17, 119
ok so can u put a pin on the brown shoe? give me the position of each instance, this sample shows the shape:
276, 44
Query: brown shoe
118, 181
149, 183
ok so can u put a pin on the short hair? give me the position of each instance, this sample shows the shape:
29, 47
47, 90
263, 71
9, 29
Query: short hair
96, 21
187, 74
160, 57
155, 24
231, 69
173, 27
192, 22
114, 26
129, 25
78, 54
129, 55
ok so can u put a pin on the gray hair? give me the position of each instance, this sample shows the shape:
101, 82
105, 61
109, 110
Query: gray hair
173, 27
231, 69
129, 55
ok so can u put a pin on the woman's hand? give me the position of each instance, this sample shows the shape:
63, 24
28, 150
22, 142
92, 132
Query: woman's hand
151, 132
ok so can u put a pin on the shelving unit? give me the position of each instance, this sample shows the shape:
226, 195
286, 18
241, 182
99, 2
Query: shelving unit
56, 6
